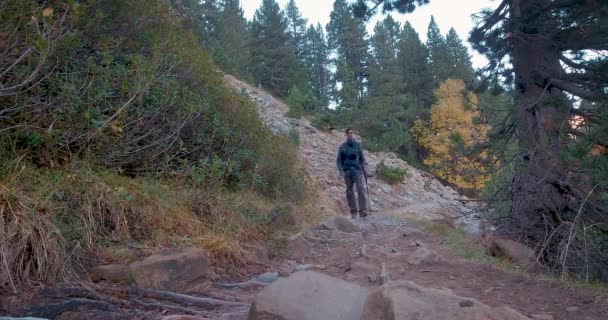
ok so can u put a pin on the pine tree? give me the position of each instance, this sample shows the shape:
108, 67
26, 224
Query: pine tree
233, 52
460, 60
385, 80
347, 38
296, 28
413, 64
439, 55
273, 59
316, 60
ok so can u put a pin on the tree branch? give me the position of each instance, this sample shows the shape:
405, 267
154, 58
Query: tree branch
577, 91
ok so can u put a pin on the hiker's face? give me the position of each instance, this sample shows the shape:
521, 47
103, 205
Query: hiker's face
350, 135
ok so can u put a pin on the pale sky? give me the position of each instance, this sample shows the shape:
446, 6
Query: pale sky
447, 13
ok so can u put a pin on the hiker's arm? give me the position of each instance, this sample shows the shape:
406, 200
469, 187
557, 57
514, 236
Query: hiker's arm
339, 162
362, 160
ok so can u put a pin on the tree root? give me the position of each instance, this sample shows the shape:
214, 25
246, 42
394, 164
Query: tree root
186, 300
52, 310
242, 285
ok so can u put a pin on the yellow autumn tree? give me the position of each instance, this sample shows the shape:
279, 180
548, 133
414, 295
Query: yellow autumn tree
451, 133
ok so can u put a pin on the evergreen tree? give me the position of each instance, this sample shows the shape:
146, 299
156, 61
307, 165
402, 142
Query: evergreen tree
272, 55
347, 38
316, 61
413, 65
385, 80
460, 60
233, 53
296, 28
439, 55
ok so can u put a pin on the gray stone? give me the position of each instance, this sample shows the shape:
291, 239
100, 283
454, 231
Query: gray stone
340, 223
424, 255
112, 272
572, 309
404, 300
304, 267
268, 277
28, 318
174, 270
309, 295
541, 316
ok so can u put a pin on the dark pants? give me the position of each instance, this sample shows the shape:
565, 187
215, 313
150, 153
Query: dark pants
351, 180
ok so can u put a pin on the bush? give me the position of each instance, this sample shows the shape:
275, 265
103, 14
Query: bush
392, 175
126, 135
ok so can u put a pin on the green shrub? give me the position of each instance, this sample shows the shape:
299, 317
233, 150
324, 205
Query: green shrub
392, 175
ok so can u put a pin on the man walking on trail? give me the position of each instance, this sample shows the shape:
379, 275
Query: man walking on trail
351, 166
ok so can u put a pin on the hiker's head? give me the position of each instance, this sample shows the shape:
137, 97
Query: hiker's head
350, 135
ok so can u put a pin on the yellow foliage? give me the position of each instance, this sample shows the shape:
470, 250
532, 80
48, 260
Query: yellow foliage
451, 131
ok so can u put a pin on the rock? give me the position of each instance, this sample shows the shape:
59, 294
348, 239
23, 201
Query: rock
297, 246
363, 268
572, 309
512, 250
408, 232
376, 228
419, 243
541, 316
386, 188
28, 318
309, 295
94, 315
423, 255
340, 223
112, 272
373, 278
404, 300
127, 255
174, 270
183, 317
304, 267
268, 277
287, 268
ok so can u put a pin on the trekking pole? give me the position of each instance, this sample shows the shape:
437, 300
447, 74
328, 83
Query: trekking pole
369, 207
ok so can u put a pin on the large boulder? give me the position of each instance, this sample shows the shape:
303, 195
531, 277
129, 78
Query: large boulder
340, 223
309, 295
404, 300
112, 272
174, 270
512, 250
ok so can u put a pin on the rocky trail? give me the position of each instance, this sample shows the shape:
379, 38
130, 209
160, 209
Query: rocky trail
388, 266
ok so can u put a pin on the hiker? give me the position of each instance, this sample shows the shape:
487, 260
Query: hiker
351, 166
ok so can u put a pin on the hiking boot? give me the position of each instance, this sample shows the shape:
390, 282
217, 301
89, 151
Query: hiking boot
353, 216
363, 214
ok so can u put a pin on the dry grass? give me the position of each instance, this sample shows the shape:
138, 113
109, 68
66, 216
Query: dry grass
48, 218
32, 250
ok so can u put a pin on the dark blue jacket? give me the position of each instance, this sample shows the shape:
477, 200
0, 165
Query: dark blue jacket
350, 158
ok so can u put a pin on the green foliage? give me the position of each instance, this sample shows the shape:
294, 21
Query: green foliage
392, 175
274, 62
347, 37
297, 102
232, 51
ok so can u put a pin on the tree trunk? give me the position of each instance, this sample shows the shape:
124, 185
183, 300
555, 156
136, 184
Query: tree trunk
540, 195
